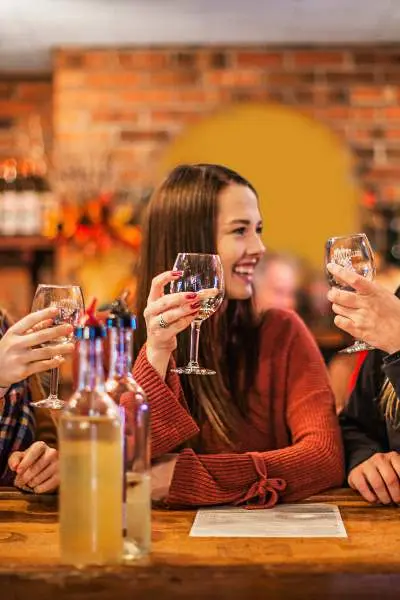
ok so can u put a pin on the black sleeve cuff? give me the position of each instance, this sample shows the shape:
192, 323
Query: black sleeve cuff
359, 456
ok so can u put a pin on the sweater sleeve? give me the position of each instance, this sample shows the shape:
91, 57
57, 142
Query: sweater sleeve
313, 462
363, 429
171, 423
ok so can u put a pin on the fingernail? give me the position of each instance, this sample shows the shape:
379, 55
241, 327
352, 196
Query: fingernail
195, 305
176, 273
191, 296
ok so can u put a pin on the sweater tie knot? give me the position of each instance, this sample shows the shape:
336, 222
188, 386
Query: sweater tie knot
263, 493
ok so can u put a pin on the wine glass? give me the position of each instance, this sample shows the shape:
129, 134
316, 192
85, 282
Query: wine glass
69, 300
203, 274
351, 252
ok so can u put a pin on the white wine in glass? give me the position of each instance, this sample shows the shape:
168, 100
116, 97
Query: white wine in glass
69, 300
352, 252
203, 274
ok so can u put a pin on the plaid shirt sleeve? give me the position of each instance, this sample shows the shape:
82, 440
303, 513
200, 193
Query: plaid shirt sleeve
17, 421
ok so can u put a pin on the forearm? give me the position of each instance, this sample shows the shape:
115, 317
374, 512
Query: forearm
158, 360
358, 445
171, 423
290, 473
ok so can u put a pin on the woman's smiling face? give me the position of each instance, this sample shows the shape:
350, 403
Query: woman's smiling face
239, 244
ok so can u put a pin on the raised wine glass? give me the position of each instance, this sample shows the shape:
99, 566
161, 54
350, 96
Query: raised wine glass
352, 252
203, 274
69, 300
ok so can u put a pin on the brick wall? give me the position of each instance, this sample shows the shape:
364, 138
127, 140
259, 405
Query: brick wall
138, 100
25, 113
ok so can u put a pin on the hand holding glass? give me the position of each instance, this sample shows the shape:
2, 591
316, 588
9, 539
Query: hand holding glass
69, 300
203, 274
351, 252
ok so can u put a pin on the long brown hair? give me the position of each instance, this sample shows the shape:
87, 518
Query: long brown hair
182, 217
389, 404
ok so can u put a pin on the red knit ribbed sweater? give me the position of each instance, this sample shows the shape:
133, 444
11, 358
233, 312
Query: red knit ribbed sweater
289, 447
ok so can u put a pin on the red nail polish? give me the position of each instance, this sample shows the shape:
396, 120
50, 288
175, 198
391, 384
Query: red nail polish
195, 305
191, 296
176, 273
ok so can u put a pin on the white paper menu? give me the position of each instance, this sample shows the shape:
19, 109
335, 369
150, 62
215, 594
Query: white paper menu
286, 520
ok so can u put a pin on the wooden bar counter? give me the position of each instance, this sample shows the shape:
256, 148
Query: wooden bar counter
365, 565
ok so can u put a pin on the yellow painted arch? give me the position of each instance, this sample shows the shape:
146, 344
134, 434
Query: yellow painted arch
301, 170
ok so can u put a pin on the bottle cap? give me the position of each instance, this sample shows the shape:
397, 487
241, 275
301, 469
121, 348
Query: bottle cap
120, 316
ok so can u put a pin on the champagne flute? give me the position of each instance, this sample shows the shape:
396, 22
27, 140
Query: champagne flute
203, 274
352, 252
69, 300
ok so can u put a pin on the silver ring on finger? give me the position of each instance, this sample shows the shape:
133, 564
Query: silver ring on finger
162, 322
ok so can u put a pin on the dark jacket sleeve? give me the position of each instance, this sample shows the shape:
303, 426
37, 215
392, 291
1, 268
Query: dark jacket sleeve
363, 426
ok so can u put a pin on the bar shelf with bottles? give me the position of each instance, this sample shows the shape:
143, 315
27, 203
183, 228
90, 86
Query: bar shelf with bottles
28, 208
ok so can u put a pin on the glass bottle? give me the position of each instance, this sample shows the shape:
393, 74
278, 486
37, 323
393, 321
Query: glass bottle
2, 190
91, 462
120, 381
10, 198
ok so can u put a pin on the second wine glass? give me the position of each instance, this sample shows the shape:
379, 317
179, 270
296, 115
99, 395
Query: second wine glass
203, 274
69, 300
351, 252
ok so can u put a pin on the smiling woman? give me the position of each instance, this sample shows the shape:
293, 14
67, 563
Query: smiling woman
261, 429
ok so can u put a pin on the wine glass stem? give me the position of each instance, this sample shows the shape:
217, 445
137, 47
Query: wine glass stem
194, 343
53, 384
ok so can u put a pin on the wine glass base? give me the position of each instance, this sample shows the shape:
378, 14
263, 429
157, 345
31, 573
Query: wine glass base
356, 347
192, 371
55, 404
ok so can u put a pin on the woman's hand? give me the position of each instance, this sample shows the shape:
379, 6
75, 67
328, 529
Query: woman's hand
36, 468
20, 355
372, 314
166, 315
161, 477
377, 479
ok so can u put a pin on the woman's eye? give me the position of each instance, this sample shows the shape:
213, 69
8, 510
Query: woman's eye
259, 230
239, 231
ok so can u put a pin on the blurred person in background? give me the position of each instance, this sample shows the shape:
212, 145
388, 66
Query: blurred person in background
281, 281
28, 435
370, 422
263, 428
277, 281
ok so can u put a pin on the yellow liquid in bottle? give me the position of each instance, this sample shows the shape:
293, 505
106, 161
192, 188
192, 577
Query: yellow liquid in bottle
91, 490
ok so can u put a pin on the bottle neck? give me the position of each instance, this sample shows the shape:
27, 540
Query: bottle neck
120, 340
91, 371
